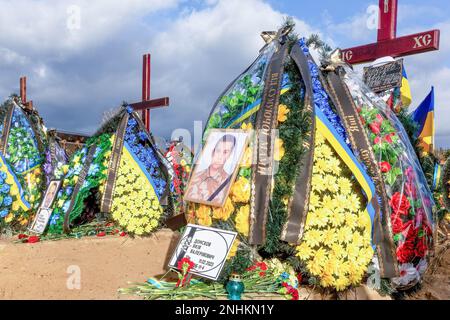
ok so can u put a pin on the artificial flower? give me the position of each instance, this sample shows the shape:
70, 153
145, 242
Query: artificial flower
240, 190
243, 220
224, 213
279, 150
283, 110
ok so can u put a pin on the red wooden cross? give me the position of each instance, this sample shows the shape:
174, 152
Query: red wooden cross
387, 43
23, 93
146, 104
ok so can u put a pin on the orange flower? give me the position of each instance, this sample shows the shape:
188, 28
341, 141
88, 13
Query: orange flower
225, 212
282, 113
240, 191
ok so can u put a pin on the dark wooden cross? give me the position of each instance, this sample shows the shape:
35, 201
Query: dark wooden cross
146, 104
23, 93
387, 43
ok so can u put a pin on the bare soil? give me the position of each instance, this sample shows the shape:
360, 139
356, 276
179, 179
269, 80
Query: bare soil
96, 267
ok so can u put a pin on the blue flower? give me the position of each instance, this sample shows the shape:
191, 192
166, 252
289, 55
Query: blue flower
129, 109
5, 188
142, 135
3, 213
7, 201
285, 275
54, 219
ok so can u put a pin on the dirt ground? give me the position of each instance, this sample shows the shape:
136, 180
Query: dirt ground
50, 269
94, 268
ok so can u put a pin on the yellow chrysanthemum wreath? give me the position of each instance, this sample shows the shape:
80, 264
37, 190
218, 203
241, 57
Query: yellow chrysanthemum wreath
336, 246
135, 206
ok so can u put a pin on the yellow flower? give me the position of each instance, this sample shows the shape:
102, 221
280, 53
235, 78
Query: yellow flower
234, 249
247, 126
224, 212
9, 217
65, 169
203, 211
240, 191
247, 158
326, 280
342, 283
15, 206
315, 268
206, 221
282, 113
313, 237
278, 152
320, 257
345, 186
243, 220
304, 252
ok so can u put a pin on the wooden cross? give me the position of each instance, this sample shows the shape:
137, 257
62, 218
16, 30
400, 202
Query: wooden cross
23, 93
387, 43
146, 104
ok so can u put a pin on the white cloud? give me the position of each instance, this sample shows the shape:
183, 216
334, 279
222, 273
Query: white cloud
202, 51
46, 25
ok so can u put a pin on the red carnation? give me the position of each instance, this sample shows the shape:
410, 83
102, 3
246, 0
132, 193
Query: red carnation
101, 234
123, 234
400, 203
379, 118
185, 263
421, 248
262, 266
385, 166
375, 127
397, 224
405, 252
377, 140
22, 236
33, 239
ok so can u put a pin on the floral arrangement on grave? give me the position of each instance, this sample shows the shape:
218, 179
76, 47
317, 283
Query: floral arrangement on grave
410, 202
23, 142
265, 278
320, 205
118, 176
180, 157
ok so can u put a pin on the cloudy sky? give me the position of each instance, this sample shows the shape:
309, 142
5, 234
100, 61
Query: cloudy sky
83, 58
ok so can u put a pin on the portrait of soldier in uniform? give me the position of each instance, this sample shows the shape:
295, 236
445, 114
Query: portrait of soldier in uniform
210, 182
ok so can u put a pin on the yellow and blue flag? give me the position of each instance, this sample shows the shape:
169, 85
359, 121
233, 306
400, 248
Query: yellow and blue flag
424, 116
405, 90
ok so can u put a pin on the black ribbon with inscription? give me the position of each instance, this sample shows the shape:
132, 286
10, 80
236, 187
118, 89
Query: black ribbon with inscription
6, 128
346, 108
299, 203
78, 185
266, 121
113, 167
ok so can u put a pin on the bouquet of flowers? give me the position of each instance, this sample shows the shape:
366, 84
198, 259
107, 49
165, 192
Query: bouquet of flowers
410, 200
270, 278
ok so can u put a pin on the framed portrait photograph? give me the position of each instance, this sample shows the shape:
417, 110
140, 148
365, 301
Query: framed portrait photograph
216, 167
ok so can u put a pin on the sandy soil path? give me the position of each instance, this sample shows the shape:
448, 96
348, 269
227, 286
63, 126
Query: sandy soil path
49, 270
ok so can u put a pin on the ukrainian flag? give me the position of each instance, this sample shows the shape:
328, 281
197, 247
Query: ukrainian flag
405, 90
424, 116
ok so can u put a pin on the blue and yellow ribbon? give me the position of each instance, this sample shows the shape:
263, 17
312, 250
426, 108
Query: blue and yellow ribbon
250, 110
